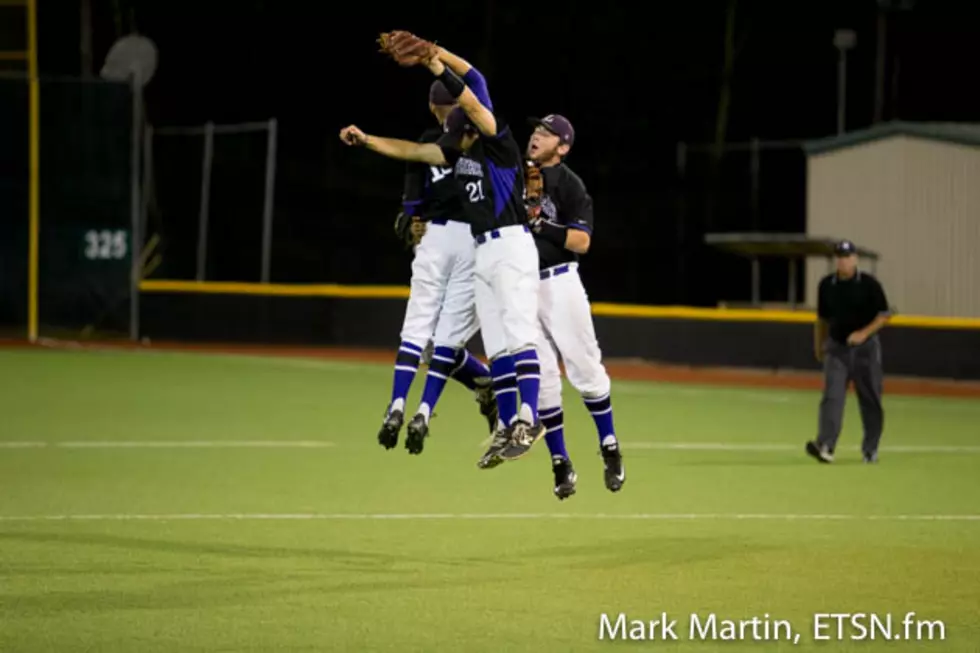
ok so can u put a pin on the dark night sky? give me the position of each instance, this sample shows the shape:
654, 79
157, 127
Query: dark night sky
634, 79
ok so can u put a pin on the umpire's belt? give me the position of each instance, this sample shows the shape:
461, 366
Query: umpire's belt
556, 270
494, 234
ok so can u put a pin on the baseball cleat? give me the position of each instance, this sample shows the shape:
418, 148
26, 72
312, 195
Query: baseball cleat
614, 473
820, 452
388, 435
565, 477
417, 432
522, 438
871, 458
488, 403
491, 459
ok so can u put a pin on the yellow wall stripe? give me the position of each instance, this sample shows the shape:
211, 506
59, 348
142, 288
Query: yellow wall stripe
600, 309
275, 289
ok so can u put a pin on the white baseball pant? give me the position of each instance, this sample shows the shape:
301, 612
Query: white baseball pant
506, 290
567, 331
441, 304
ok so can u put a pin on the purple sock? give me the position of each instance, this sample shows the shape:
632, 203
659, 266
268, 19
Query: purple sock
554, 435
602, 414
505, 387
406, 366
440, 367
469, 368
528, 379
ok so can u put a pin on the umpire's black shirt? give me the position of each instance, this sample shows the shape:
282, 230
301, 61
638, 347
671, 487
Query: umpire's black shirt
849, 305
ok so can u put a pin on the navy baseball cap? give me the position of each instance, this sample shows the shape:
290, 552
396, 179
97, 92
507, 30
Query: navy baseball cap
845, 248
557, 125
440, 96
458, 123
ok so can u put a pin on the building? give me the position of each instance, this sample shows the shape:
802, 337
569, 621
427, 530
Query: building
911, 192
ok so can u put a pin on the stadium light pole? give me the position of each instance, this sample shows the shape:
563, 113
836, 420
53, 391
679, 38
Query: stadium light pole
844, 40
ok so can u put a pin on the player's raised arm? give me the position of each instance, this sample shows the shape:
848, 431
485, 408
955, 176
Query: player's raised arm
394, 148
409, 50
481, 117
472, 77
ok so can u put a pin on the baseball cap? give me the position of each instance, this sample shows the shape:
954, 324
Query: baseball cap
557, 125
440, 96
457, 123
845, 248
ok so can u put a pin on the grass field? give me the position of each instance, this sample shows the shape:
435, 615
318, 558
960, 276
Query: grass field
178, 502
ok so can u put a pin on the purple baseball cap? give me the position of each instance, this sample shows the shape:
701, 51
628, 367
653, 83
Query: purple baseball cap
439, 95
557, 125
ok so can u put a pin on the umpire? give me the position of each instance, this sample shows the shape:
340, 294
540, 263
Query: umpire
851, 309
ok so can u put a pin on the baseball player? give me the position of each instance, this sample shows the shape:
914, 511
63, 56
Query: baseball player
488, 168
562, 224
441, 306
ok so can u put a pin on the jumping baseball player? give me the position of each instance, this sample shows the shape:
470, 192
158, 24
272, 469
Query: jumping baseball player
441, 305
562, 224
488, 167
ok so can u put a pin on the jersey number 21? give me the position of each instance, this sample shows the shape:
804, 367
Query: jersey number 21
475, 189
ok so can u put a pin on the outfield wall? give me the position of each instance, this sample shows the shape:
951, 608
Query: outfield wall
371, 317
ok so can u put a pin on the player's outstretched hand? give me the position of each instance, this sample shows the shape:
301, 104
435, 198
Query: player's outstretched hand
353, 136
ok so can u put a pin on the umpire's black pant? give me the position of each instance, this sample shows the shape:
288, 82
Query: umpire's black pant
862, 365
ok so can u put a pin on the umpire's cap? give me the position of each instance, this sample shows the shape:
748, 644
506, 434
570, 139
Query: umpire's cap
845, 248
558, 125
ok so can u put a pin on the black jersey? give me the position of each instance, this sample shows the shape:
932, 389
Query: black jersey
431, 192
491, 180
565, 202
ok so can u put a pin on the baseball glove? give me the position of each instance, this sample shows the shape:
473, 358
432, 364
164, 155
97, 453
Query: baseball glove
409, 229
533, 189
406, 48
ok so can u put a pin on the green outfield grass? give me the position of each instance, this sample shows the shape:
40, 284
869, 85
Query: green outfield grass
176, 502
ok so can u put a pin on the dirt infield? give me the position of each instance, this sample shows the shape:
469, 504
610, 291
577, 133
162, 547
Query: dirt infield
618, 369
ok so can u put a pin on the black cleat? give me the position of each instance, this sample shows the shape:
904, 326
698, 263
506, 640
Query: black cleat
820, 452
388, 435
488, 404
417, 431
565, 477
522, 437
491, 458
871, 458
615, 473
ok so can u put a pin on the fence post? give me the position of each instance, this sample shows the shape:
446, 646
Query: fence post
270, 189
756, 162
136, 206
147, 178
202, 224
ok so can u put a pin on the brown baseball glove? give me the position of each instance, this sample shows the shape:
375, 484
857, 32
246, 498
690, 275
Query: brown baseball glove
409, 229
417, 230
406, 48
533, 189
